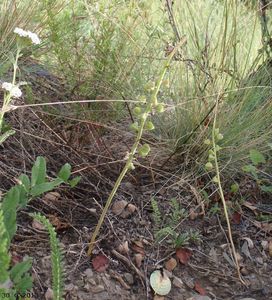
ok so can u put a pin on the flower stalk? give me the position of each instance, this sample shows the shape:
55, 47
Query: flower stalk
151, 103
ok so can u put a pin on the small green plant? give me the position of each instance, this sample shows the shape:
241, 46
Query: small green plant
16, 279
258, 171
167, 228
56, 257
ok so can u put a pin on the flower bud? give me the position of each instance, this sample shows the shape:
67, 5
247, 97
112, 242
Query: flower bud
207, 142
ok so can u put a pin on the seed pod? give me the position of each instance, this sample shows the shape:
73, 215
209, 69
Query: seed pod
207, 142
149, 125
134, 126
209, 166
211, 157
215, 179
160, 108
144, 150
220, 136
137, 110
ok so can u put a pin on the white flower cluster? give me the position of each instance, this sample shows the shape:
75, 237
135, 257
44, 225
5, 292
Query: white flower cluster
28, 34
13, 89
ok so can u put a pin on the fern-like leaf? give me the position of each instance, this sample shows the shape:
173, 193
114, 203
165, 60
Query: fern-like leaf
56, 257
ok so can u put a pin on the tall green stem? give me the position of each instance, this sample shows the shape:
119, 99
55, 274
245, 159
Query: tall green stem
148, 108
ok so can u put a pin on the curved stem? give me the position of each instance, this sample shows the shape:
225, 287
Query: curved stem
221, 193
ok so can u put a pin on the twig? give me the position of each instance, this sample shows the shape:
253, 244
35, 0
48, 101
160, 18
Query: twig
128, 262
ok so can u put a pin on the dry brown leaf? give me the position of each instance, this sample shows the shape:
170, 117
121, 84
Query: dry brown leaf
200, 289
51, 196
236, 218
119, 206
184, 255
264, 245
37, 225
123, 248
138, 259
250, 206
171, 264
193, 215
58, 223
158, 297
131, 208
100, 263
123, 209
249, 241
138, 247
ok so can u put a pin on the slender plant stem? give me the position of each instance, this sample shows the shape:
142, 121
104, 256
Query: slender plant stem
152, 100
221, 193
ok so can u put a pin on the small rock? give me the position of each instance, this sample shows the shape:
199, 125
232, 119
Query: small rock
244, 271
138, 259
37, 225
97, 289
69, 287
46, 262
177, 282
89, 273
199, 297
171, 264
91, 281
106, 281
129, 278
123, 248
168, 273
157, 297
259, 260
49, 294
80, 283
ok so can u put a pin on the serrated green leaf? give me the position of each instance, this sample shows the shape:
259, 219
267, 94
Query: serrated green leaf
20, 269
256, 157
65, 172
19, 276
38, 173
